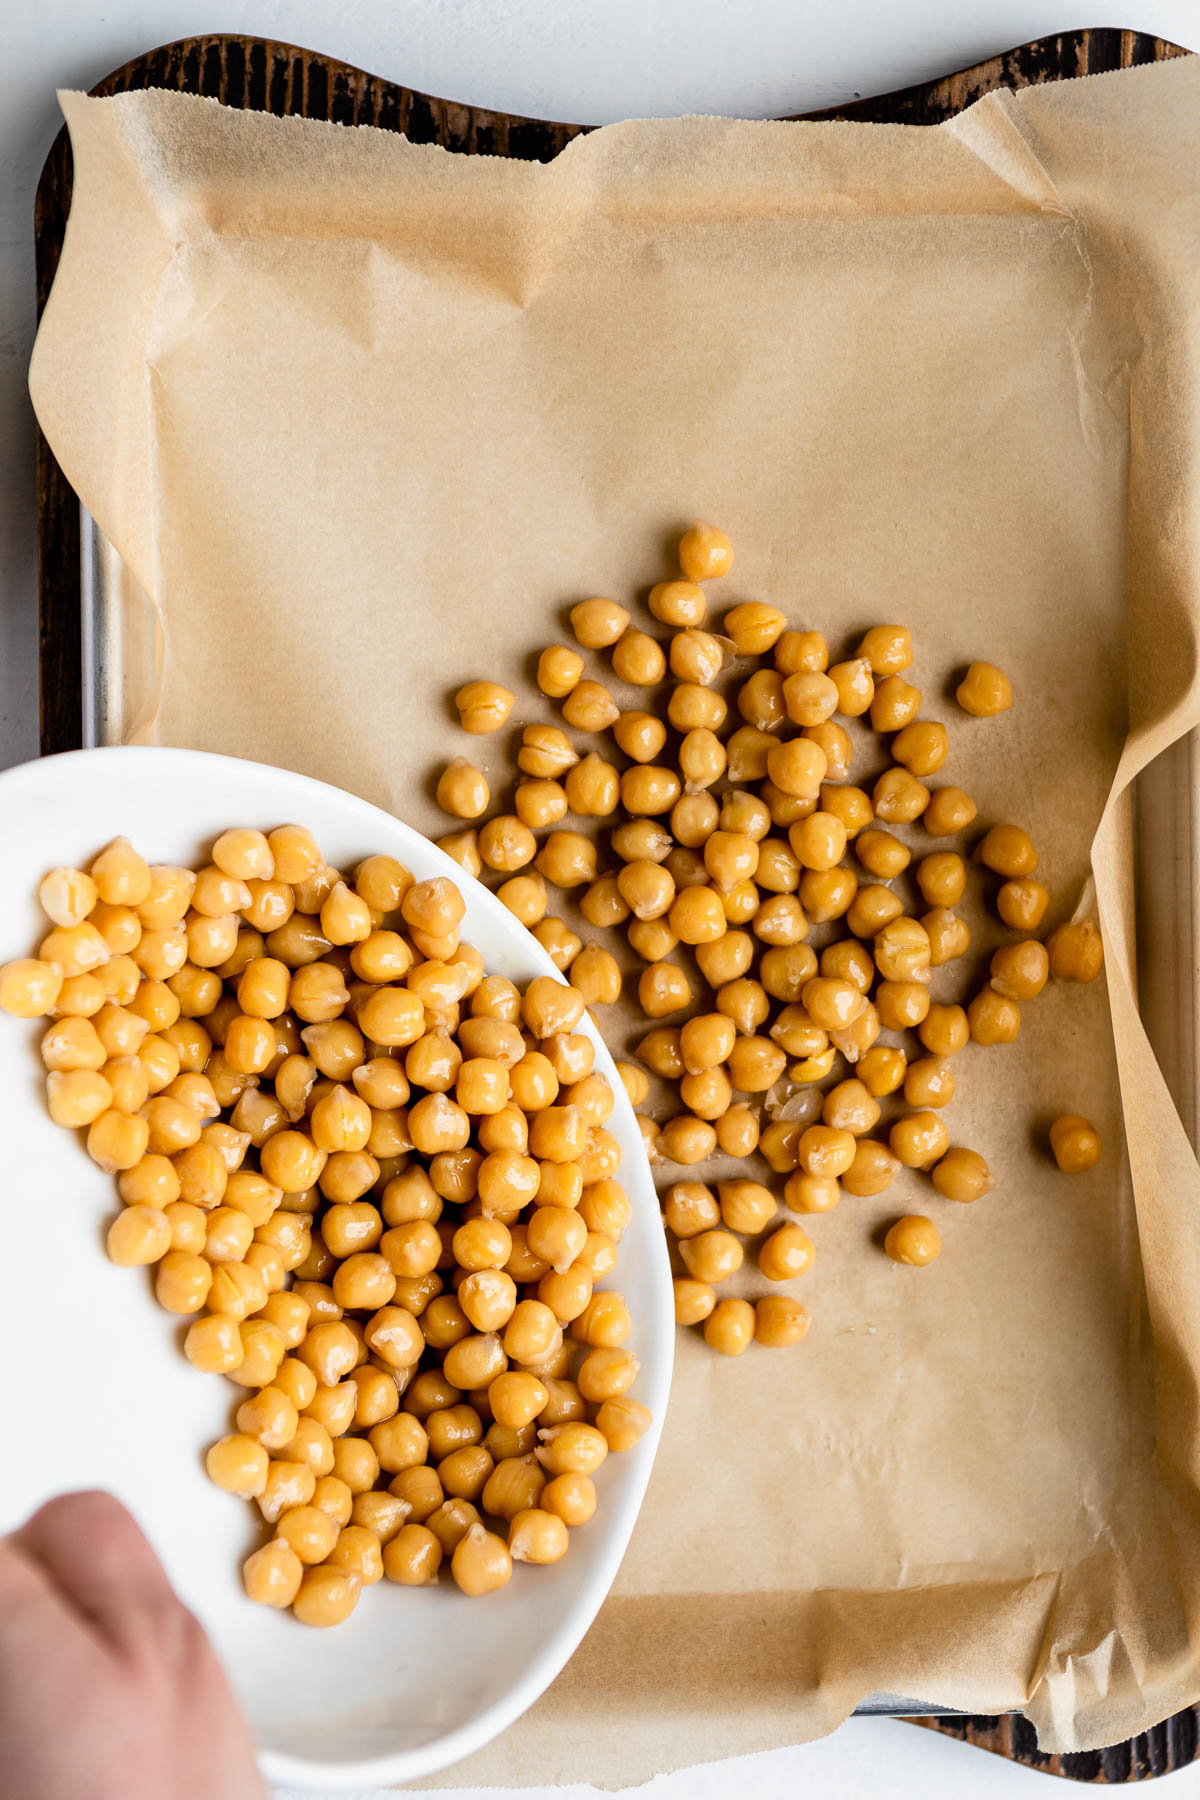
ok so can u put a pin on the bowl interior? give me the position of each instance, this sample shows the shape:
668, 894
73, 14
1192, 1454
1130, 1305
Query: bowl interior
416, 1678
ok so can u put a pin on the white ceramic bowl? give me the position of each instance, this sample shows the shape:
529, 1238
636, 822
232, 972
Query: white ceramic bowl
417, 1678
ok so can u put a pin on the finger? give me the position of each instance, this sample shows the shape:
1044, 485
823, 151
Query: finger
99, 1561
41, 1636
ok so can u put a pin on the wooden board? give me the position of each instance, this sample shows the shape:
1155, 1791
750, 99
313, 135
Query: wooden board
261, 75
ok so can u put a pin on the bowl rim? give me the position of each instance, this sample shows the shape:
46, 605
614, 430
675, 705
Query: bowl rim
283, 1768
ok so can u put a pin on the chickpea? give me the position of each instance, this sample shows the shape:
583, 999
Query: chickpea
984, 691
831, 1003
483, 706
760, 700
546, 753
881, 854
1020, 971
754, 627
1008, 850
919, 1139
694, 1300
729, 1328
945, 1030
705, 553
711, 1256
810, 698
873, 1170
755, 1064
592, 788
597, 624
746, 1206
779, 1321
993, 1018
462, 790
913, 1240
855, 685
962, 1175
1021, 904
949, 810
590, 707
646, 888
901, 949
881, 1070
786, 1254
797, 767
851, 1107
559, 670
558, 941
921, 747
1076, 951
949, 936
898, 797
888, 649
1075, 1144
540, 803
567, 860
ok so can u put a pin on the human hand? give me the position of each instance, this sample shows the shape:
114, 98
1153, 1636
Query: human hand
108, 1685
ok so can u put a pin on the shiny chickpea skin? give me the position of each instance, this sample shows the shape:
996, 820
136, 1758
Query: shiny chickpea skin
729, 1328
919, 1139
921, 747
462, 790
1008, 850
779, 1321
984, 691
950, 810
1020, 971
1074, 1144
913, 1240
483, 706
993, 1018
962, 1175
881, 854
1076, 951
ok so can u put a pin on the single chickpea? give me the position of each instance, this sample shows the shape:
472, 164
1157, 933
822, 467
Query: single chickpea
539, 803
881, 854
1008, 850
901, 949
694, 1300
809, 698
729, 1328
850, 1107
894, 704
1075, 1143
984, 691
506, 844
1021, 904
921, 747
825, 1150
797, 767
755, 1064
640, 735
711, 1256
760, 700
746, 1206
830, 1002
784, 972
962, 1175
558, 941
919, 1139
696, 657
945, 1030
462, 790
929, 1082
546, 753
746, 755
779, 1321
754, 627
592, 788
855, 685
872, 908
898, 797
567, 859
697, 916
950, 810
786, 1254
949, 936
1076, 951
850, 804
993, 1018
648, 790
873, 1170
705, 553
1020, 971
881, 1070
913, 1240
597, 624
590, 707
638, 659
483, 706
559, 670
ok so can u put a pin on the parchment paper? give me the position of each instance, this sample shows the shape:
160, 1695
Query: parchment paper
366, 418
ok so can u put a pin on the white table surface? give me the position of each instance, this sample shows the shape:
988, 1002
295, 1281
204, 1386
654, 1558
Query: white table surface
591, 60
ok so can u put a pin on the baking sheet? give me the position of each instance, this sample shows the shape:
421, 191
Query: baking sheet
901, 368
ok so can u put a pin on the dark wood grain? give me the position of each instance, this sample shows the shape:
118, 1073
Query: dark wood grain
260, 75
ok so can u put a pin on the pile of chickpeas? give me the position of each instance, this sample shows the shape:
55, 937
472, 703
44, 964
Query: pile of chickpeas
376, 1179
781, 923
